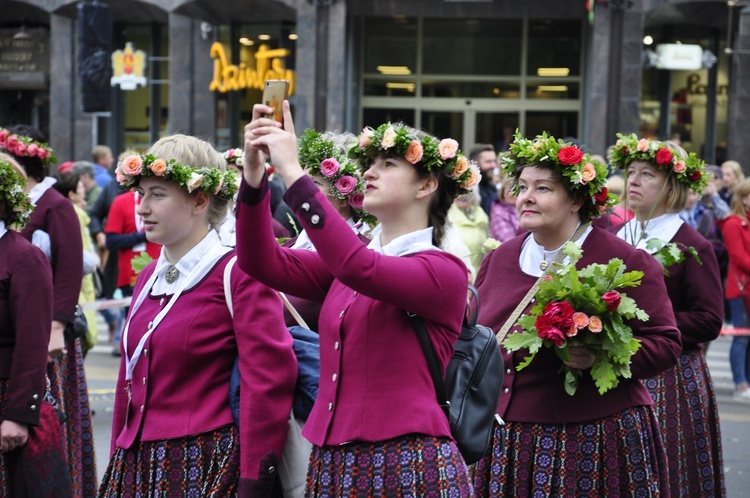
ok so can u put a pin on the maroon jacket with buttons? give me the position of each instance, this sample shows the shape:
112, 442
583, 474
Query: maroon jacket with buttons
536, 393
374, 380
25, 318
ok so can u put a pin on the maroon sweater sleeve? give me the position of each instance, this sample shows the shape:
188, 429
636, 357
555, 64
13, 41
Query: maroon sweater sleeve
695, 290
29, 291
67, 257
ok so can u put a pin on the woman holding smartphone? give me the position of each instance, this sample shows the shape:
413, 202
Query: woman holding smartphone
372, 431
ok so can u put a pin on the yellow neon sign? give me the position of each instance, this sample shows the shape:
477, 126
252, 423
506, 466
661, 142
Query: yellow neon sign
268, 66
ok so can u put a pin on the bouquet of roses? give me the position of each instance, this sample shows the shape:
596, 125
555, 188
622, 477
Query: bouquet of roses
583, 307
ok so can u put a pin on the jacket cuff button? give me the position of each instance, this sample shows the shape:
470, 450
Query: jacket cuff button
32, 407
315, 219
306, 206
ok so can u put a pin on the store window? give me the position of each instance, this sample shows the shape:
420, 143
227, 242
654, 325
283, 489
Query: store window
260, 51
141, 126
473, 78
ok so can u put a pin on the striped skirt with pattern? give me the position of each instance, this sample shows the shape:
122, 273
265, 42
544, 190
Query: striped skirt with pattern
685, 406
621, 455
414, 465
202, 466
70, 390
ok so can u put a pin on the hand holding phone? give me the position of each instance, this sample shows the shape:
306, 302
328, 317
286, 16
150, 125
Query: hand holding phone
274, 93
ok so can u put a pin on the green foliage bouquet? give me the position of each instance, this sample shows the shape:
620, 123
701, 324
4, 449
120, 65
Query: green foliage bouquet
583, 307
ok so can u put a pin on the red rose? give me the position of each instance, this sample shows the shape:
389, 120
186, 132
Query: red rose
560, 315
694, 175
570, 155
664, 156
612, 299
547, 331
601, 196
624, 149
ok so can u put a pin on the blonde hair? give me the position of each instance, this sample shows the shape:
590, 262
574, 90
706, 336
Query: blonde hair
194, 152
13, 164
99, 152
741, 191
736, 168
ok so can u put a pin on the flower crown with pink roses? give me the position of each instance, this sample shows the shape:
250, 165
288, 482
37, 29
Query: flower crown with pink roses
222, 184
235, 156
23, 146
320, 155
584, 177
689, 170
418, 149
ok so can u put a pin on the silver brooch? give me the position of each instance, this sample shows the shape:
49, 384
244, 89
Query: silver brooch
172, 274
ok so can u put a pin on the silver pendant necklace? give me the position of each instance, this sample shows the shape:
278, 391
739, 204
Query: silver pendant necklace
172, 274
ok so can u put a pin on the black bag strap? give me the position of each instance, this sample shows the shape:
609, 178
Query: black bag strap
429, 352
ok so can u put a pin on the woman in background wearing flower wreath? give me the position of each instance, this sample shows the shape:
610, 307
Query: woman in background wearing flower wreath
51, 223
658, 178
25, 317
736, 229
556, 444
173, 433
376, 427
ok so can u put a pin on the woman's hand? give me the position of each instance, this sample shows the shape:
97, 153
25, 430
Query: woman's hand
12, 435
264, 136
581, 357
56, 346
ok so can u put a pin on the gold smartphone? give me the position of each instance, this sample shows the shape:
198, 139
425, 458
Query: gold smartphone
274, 93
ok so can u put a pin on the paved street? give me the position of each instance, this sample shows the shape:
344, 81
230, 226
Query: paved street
102, 367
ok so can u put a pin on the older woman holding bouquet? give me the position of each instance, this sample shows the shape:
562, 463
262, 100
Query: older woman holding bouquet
376, 427
554, 443
659, 177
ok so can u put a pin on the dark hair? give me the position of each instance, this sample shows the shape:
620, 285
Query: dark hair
477, 149
35, 168
446, 192
67, 182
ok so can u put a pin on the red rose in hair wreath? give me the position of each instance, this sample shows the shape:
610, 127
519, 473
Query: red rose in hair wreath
694, 175
664, 157
601, 196
570, 155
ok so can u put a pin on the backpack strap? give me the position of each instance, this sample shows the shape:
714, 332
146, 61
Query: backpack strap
228, 282
432, 363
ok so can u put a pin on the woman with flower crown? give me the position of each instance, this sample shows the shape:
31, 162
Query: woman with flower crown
376, 427
658, 179
173, 433
553, 443
50, 226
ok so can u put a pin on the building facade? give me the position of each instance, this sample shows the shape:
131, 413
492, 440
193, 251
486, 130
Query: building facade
473, 70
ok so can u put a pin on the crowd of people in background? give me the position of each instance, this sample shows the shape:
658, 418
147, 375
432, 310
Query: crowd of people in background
347, 236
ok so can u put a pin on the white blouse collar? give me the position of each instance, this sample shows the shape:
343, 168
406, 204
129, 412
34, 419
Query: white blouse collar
40, 188
3, 230
662, 227
412, 242
186, 265
533, 253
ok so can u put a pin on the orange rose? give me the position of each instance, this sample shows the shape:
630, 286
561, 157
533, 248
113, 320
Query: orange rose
679, 166
474, 176
132, 165
414, 152
159, 167
448, 148
595, 324
642, 145
588, 173
461, 166
580, 319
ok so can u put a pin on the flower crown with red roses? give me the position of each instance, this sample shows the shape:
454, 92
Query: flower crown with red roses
426, 152
321, 155
689, 170
222, 184
23, 146
586, 178
235, 156
13, 196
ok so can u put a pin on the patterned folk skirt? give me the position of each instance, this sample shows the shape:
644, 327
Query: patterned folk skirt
70, 391
621, 455
414, 465
202, 466
686, 409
